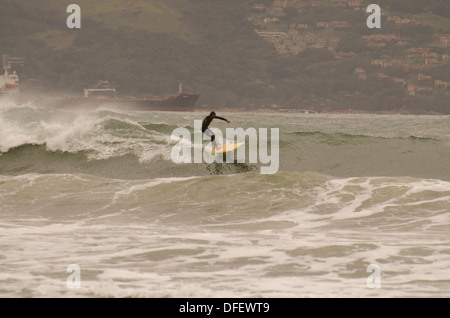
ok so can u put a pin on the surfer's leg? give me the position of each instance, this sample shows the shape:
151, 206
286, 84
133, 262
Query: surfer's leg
209, 133
213, 141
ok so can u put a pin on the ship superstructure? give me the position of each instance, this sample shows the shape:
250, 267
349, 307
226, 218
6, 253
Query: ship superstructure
9, 82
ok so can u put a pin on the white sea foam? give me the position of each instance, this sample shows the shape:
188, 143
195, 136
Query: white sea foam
320, 250
82, 132
293, 234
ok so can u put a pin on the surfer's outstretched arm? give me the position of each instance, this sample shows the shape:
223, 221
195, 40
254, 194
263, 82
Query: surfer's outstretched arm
224, 119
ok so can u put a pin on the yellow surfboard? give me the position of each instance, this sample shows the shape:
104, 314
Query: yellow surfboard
226, 147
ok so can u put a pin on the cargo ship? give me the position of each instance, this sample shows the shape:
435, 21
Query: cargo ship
103, 95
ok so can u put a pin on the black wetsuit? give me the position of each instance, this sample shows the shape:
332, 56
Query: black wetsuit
208, 119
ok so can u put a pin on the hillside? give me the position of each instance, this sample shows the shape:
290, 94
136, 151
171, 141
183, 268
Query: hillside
316, 55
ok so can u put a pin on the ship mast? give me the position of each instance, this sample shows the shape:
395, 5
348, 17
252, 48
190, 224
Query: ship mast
6, 66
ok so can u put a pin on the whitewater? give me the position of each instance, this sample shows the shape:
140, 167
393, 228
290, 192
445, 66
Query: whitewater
97, 188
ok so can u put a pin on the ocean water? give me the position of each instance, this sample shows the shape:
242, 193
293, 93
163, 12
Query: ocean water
99, 189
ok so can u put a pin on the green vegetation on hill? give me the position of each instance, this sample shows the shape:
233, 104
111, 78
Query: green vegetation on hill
145, 47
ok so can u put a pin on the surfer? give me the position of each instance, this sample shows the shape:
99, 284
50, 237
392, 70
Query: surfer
208, 132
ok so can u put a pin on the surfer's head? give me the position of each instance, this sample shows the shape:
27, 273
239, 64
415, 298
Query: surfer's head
212, 114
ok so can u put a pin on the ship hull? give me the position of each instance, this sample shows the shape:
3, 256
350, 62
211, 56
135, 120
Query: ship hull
180, 102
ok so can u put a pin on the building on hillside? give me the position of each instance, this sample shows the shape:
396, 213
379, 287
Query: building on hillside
441, 84
279, 4
376, 44
310, 38
360, 73
430, 55
382, 76
354, 4
377, 62
419, 50
418, 22
392, 18
270, 20
432, 61
259, 7
412, 67
424, 79
401, 43
344, 55
411, 90
380, 37
341, 25
402, 21
399, 81
323, 25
